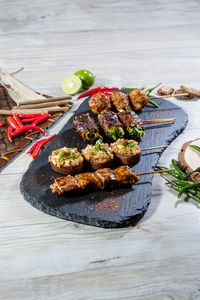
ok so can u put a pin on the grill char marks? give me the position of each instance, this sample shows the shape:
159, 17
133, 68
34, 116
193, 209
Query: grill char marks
120, 101
89, 181
110, 121
138, 99
86, 127
107, 176
98, 103
129, 118
65, 184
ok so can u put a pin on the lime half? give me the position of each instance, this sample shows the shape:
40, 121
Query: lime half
71, 85
87, 78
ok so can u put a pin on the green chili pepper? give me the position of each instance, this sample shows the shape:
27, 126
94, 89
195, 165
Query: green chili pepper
173, 173
153, 103
195, 147
130, 89
177, 167
197, 199
187, 193
188, 187
147, 92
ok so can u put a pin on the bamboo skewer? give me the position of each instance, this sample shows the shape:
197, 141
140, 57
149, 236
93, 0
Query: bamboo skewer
154, 172
42, 105
45, 100
168, 96
158, 121
152, 148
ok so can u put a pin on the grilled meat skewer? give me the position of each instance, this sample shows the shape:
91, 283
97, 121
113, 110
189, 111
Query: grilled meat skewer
101, 179
132, 123
120, 101
98, 103
111, 124
138, 99
86, 127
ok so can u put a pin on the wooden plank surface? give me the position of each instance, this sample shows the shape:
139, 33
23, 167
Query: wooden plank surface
135, 43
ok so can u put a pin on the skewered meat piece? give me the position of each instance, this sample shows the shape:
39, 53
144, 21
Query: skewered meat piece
107, 176
88, 181
191, 91
99, 103
138, 99
120, 101
103, 178
125, 176
111, 124
165, 90
86, 127
65, 184
132, 123
180, 91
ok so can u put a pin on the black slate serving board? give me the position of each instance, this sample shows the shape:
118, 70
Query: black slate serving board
109, 208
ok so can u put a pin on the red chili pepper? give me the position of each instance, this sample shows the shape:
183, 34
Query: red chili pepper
12, 123
41, 119
17, 119
25, 128
1, 124
40, 145
96, 90
28, 116
30, 120
108, 93
33, 147
10, 130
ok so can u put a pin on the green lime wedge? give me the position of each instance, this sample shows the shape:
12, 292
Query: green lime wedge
71, 85
87, 78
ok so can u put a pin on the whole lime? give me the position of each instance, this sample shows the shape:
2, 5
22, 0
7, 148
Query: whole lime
87, 78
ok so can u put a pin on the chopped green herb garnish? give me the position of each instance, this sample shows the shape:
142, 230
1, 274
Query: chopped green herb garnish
57, 151
63, 158
92, 153
132, 145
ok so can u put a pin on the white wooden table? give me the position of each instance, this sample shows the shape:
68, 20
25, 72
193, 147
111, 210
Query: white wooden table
132, 43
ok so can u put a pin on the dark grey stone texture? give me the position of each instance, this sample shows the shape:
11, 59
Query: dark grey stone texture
116, 208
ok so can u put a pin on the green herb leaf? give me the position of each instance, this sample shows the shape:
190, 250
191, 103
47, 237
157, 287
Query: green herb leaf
92, 153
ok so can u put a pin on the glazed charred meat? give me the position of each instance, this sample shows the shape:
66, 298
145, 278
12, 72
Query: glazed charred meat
103, 178
88, 181
120, 101
65, 184
132, 123
111, 124
138, 99
99, 103
125, 176
107, 176
165, 90
86, 127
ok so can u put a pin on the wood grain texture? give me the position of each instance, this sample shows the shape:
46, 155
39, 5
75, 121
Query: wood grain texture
135, 43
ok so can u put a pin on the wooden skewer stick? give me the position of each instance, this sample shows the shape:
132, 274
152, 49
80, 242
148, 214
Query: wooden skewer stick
43, 104
36, 101
19, 70
154, 172
158, 121
168, 96
151, 148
